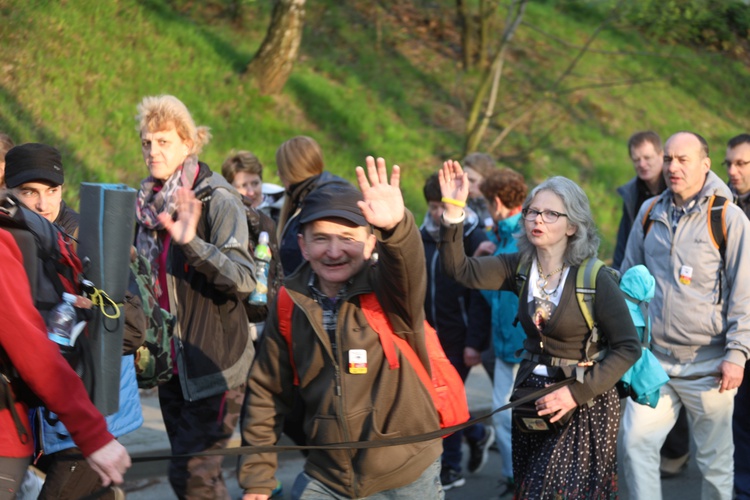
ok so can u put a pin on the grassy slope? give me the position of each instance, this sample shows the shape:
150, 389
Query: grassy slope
72, 72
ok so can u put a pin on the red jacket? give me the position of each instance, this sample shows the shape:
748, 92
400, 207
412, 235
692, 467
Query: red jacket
23, 335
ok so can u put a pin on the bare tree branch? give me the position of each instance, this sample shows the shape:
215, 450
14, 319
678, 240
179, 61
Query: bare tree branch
491, 80
569, 45
620, 83
553, 88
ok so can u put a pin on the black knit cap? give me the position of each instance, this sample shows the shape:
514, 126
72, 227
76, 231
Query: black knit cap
33, 162
333, 201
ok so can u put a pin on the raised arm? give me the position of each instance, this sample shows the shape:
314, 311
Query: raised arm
487, 272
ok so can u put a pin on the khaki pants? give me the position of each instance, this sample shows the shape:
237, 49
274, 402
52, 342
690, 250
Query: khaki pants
644, 429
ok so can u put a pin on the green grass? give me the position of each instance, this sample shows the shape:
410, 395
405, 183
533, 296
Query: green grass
72, 73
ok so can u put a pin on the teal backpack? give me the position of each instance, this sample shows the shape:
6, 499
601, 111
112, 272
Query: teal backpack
643, 381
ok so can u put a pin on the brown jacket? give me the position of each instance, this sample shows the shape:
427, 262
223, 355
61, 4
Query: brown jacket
340, 406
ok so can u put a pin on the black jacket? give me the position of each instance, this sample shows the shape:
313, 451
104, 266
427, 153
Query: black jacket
68, 219
461, 316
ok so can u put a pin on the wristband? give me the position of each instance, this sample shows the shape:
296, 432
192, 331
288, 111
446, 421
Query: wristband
451, 201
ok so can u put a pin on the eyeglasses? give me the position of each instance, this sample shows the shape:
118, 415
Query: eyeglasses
548, 216
736, 163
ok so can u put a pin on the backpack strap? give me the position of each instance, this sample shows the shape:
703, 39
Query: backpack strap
522, 275
717, 229
8, 395
585, 295
717, 225
378, 321
586, 288
647, 222
284, 308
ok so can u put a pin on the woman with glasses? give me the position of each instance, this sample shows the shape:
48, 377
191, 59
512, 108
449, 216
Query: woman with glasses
576, 459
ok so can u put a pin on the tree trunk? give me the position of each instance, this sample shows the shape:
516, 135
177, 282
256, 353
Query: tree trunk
467, 34
274, 61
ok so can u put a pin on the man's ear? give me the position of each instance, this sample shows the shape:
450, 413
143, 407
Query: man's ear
369, 246
302, 245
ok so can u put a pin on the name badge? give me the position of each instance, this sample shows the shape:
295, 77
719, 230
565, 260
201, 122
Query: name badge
357, 361
686, 275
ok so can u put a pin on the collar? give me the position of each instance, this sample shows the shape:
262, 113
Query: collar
321, 297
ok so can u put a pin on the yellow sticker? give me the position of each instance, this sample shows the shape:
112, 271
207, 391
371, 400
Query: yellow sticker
357, 361
686, 275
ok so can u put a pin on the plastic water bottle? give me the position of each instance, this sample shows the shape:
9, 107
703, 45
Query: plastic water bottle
259, 297
62, 319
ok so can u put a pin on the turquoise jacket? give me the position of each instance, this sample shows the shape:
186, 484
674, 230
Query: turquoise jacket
506, 338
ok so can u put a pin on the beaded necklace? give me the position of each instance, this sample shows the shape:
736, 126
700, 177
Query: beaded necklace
543, 280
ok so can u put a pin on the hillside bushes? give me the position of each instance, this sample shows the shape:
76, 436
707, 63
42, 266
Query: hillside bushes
715, 24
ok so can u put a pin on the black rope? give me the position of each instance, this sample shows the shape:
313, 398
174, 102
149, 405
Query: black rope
249, 450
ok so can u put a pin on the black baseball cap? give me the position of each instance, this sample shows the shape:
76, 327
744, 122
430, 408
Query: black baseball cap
33, 162
333, 201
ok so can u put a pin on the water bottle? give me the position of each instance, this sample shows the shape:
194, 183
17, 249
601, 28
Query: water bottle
259, 297
61, 320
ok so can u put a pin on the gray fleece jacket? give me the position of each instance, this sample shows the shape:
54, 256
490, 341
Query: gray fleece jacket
706, 314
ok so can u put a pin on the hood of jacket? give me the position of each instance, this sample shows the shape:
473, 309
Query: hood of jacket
638, 284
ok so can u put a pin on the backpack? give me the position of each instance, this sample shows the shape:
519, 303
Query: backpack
257, 222
585, 294
53, 267
642, 382
445, 385
153, 359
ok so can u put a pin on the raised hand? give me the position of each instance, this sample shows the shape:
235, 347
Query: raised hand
188, 215
454, 185
383, 206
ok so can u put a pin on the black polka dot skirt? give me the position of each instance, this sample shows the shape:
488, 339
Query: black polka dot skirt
577, 462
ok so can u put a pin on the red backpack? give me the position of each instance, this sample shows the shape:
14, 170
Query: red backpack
445, 387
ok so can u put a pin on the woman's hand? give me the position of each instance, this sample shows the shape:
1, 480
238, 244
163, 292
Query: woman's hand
189, 209
558, 403
454, 185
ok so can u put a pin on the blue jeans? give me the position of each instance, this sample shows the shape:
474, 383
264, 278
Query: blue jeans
426, 486
505, 375
452, 444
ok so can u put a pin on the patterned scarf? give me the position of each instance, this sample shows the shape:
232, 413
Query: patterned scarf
150, 203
